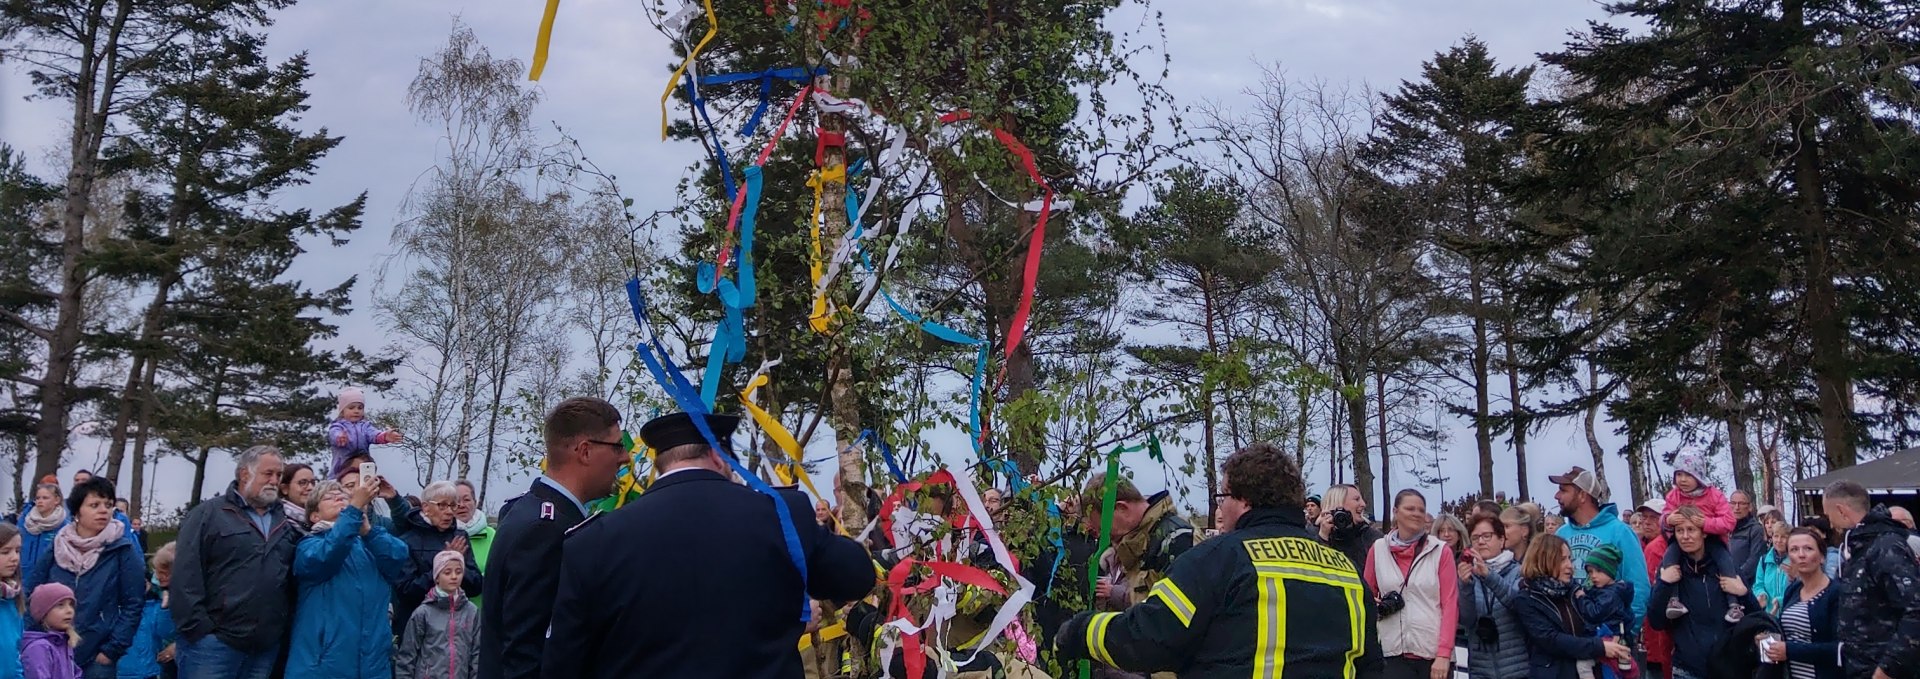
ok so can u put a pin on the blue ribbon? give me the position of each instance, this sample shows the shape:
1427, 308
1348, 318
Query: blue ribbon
792, 74
660, 363
712, 135
736, 294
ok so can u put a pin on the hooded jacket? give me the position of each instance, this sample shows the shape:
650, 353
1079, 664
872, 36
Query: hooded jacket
1879, 590
156, 631
45, 655
1606, 528
346, 583
33, 546
232, 580
442, 639
1492, 596
1766, 573
1748, 541
1697, 635
107, 598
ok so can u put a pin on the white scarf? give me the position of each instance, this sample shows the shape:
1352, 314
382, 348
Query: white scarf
475, 527
321, 527
39, 524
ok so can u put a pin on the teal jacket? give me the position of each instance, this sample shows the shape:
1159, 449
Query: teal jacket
1607, 528
346, 583
12, 627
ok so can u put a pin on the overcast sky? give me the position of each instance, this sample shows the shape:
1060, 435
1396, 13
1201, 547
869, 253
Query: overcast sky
603, 83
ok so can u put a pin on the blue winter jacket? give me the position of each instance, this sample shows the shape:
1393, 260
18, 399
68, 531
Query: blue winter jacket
346, 581
107, 613
1607, 528
12, 627
32, 547
156, 631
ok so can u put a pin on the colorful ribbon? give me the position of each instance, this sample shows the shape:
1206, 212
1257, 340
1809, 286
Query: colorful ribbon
545, 38
766, 78
661, 365
713, 28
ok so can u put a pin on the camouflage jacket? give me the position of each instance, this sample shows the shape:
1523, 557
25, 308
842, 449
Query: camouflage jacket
1879, 587
1145, 554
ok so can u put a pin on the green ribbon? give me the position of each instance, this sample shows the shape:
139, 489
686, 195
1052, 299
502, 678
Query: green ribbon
1109, 496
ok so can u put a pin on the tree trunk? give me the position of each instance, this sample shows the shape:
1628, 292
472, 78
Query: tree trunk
1207, 421
1356, 404
1593, 435
1300, 431
1482, 379
1386, 455
145, 354
842, 398
199, 476
493, 414
124, 413
1520, 419
1636, 454
1737, 440
94, 98
145, 419
21, 448
1826, 322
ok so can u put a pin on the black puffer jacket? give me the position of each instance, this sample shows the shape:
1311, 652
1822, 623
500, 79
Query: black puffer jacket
424, 540
1697, 634
1879, 588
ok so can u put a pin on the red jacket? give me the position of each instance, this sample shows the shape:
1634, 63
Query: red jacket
1712, 503
1659, 644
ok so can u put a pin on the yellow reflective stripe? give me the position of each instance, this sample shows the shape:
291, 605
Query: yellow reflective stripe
1297, 571
1357, 629
1176, 601
1097, 637
1270, 632
828, 633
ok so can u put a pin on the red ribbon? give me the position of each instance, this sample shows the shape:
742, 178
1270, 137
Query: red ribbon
740, 196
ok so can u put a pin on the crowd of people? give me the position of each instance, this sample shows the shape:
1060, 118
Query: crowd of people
296, 573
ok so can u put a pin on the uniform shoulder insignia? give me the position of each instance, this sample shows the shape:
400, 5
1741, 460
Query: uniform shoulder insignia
583, 523
546, 511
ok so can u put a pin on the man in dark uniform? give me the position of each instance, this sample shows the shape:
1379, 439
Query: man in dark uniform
693, 579
1267, 599
584, 455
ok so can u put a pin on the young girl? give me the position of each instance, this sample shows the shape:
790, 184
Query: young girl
13, 602
46, 652
443, 635
350, 434
144, 659
1690, 489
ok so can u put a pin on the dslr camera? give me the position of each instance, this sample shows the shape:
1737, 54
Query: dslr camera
1391, 603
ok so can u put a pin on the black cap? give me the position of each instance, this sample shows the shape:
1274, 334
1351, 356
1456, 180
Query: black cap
672, 431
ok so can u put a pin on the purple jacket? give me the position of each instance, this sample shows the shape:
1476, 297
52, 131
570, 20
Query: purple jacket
360, 436
46, 655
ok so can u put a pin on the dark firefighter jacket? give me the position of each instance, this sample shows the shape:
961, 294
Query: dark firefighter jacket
1268, 600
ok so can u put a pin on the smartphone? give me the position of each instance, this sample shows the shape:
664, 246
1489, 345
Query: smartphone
368, 472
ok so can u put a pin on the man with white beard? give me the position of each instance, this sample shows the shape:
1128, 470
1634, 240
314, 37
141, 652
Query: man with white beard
232, 597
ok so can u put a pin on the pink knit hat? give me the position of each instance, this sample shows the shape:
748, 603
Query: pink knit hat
441, 560
351, 395
45, 597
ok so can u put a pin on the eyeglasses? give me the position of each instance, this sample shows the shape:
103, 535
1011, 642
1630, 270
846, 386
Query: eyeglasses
1484, 536
618, 445
305, 482
442, 505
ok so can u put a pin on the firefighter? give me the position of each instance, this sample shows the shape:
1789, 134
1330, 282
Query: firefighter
1265, 599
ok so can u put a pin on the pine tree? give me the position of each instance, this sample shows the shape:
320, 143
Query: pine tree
1732, 187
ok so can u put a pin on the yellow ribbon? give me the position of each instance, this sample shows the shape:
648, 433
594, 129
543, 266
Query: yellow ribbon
822, 317
540, 43
828, 633
713, 28
788, 473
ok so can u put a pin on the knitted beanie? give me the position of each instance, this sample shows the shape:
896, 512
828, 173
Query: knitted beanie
443, 559
351, 395
45, 597
1606, 559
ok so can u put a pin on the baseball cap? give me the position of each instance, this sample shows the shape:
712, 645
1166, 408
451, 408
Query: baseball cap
1655, 505
1579, 477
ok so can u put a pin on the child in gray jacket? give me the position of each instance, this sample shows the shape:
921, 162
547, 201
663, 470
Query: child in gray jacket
442, 639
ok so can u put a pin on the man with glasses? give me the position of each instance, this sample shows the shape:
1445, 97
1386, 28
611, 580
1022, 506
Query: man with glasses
694, 578
427, 531
232, 589
1749, 538
584, 455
